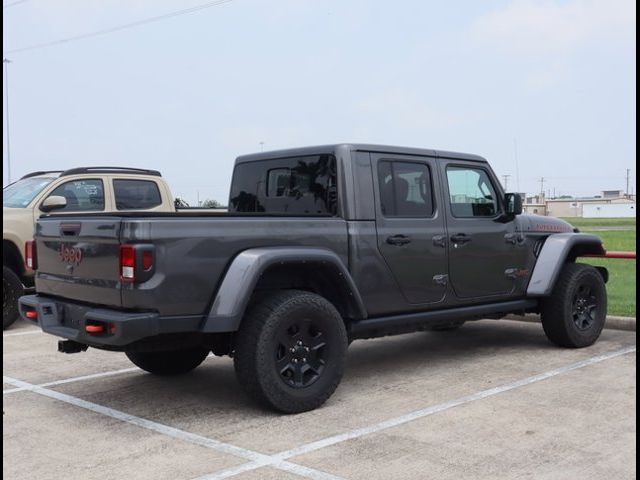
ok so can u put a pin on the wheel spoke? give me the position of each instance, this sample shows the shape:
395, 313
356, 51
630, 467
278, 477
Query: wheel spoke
317, 342
315, 363
298, 375
283, 364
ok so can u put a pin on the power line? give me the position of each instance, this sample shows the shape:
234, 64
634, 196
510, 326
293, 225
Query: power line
17, 2
119, 28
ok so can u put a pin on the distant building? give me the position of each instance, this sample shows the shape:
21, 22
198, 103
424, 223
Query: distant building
609, 210
611, 203
534, 208
613, 194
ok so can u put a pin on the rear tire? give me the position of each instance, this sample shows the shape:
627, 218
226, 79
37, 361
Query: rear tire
12, 290
171, 362
575, 313
291, 351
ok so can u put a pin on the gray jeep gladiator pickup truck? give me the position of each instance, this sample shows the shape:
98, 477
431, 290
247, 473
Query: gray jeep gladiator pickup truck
321, 246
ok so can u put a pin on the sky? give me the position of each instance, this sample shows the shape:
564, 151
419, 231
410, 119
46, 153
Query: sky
540, 88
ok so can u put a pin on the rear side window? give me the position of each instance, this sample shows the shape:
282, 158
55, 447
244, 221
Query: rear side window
136, 194
81, 195
296, 185
405, 189
471, 193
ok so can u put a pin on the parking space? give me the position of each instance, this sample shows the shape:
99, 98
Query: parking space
493, 399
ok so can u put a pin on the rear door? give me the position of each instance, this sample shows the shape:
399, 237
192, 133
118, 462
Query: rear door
410, 225
484, 251
78, 258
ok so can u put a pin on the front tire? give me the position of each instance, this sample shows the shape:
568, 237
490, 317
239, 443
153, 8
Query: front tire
575, 313
291, 351
173, 362
12, 290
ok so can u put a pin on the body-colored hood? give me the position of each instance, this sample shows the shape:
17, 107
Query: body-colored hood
538, 223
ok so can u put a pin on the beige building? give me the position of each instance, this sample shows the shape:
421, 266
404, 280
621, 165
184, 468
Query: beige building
572, 207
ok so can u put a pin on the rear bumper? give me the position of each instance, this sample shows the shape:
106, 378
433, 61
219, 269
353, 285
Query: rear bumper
69, 320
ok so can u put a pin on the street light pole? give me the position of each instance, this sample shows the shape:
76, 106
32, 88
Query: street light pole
6, 63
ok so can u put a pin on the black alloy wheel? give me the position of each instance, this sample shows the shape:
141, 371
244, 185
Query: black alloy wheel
300, 353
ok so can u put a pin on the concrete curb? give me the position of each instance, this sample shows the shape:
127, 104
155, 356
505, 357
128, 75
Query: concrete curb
613, 322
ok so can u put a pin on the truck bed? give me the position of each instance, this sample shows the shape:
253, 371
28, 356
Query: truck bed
192, 250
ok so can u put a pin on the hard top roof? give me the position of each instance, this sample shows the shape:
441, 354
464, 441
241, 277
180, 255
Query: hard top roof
363, 147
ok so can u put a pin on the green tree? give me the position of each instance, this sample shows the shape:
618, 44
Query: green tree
211, 204
180, 203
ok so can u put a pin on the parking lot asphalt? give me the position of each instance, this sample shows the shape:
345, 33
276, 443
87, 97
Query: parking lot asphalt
492, 400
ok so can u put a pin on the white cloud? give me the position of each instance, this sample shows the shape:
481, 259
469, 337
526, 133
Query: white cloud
533, 28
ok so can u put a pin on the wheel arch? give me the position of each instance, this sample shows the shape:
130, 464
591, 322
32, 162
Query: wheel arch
256, 270
558, 250
12, 258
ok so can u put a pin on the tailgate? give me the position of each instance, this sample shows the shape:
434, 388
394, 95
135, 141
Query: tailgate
78, 258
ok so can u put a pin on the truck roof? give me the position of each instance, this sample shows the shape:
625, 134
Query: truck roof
89, 170
355, 147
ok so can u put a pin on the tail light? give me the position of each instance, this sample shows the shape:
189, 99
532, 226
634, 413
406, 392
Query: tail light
136, 263
127, 263
30, 255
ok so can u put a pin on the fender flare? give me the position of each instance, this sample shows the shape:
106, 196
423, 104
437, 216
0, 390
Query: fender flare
237, 286
554, 254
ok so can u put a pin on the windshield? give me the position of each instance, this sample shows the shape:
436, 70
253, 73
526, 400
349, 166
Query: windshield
21, 193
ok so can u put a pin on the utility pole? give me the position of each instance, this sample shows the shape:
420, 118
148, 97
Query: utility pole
628, 172
515, 157
505, 182
6, 62
262, 146
541, 187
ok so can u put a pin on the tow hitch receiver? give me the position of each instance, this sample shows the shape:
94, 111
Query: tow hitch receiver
69, 346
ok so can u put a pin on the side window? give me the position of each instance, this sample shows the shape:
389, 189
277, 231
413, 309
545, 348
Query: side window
471, 193
405, 189
278, 182
136, 194
81, 195
305, 185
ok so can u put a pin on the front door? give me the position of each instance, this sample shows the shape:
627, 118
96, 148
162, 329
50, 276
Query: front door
410, 225
484, 251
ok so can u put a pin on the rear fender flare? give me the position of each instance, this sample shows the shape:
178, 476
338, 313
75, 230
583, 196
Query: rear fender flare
237, 287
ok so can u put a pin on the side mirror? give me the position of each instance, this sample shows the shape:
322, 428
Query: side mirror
53, 202
513, 202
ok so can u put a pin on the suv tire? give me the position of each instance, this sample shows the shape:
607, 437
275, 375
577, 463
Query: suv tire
12, 290
172, 362
574, 315
291, 351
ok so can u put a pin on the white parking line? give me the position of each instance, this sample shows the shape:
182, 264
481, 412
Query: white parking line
394, 422
257, 459
15, 334
73, 379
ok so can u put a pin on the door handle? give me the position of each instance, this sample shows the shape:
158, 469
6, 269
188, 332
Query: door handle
460, 238
398, 240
